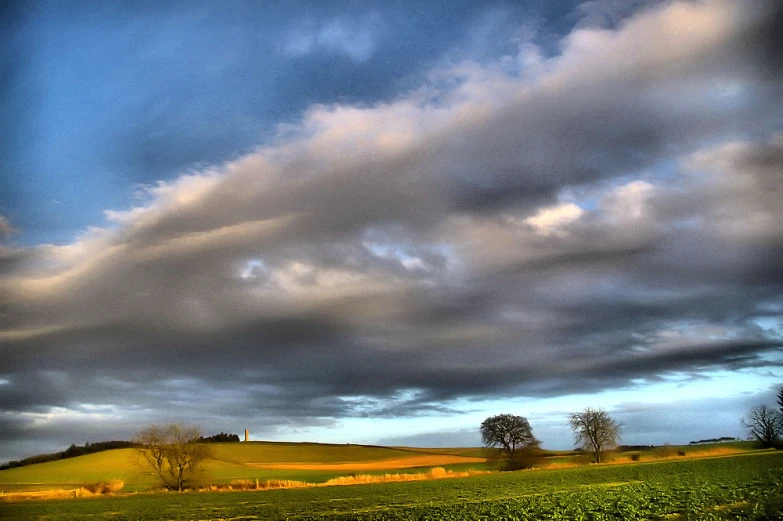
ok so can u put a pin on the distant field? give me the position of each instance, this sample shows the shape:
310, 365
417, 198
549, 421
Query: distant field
744, 486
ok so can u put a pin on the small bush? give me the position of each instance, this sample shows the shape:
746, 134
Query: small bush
104, 487
667, 451
635, 457
609, 456
438, 473
526, 459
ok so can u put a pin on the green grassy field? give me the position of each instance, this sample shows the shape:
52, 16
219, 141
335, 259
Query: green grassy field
745, 486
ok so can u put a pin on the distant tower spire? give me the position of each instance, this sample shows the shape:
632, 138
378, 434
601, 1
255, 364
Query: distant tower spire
247, 435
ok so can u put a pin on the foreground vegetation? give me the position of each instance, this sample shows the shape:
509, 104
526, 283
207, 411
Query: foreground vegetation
746, 486
305, 462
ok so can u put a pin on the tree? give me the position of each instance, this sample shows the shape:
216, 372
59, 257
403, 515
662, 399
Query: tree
765, 424
594, 430
513, 435
174, 453
780, 399
223, 437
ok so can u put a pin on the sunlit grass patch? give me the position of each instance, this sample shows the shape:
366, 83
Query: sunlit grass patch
409, 461
435, 473
353, 479
85, 490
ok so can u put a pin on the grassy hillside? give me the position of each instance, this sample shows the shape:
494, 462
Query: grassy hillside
309, 462
277, 452
109, 465
744, 486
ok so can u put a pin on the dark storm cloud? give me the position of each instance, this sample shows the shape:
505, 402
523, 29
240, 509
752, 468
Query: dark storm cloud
530, 226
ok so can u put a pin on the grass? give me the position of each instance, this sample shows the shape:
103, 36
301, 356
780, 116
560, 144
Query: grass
305, 462
564, 459
352, 479
276, 452
105, 466
741, 486
308, 462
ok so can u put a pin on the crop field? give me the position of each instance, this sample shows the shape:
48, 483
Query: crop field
745, 486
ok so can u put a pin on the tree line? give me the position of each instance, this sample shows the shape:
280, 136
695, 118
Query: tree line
595, 431
765, 424
90, 448
223, 437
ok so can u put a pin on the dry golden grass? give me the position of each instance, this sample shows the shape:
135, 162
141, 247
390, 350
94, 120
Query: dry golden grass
247, 484
436, 473
86, 490
654, 455
395, 463
716, 451
665, 455
361, 479
104, 487
561, 465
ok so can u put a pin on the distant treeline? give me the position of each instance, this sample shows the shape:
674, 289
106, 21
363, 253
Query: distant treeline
70, 452
722, 439
89, 448
223, 437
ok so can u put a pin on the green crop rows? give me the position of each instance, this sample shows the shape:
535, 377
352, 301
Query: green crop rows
738, 487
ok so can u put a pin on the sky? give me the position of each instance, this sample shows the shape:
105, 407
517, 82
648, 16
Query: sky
383, 222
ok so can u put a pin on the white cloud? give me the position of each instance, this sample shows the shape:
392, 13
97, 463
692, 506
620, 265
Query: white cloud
353, 38
553, 220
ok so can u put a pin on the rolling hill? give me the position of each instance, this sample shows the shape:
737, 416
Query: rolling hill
311, 462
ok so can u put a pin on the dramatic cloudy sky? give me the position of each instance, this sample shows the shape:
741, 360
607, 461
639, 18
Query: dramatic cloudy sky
382, 222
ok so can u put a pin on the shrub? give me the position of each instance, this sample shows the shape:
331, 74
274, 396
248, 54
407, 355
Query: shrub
667, 451
104, 487
527, 458
610, 456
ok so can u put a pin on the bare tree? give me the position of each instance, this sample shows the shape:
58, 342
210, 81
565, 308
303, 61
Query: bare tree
594, 430
765, 424
513, 435
780, 399
174, 453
